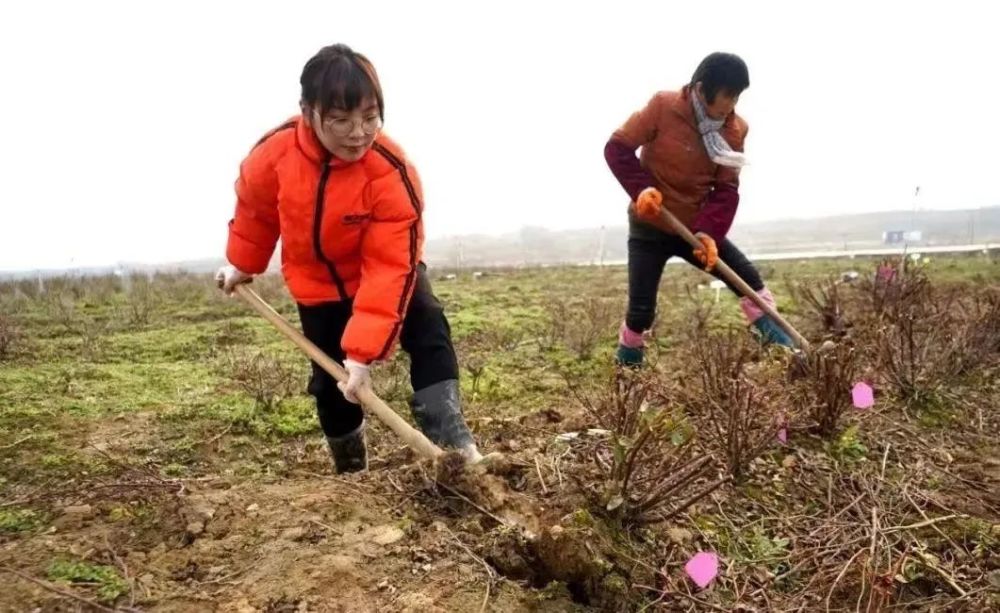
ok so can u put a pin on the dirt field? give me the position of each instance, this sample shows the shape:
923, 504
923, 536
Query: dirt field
158, 452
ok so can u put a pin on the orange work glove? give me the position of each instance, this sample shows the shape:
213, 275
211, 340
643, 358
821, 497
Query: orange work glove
647, 205
708, 253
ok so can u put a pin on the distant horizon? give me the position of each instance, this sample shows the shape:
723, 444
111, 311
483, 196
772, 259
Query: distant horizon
140, 264
739, 223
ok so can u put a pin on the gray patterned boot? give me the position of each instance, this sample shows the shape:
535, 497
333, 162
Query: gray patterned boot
350, 451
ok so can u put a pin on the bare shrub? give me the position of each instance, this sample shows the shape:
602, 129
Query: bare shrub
733, 408
925, 335
920, 347
265, 378
473, 355
701, 317
827, 303
476, 365
580, 326
141, 299
231, 333
391, 379
13, 301
188, 288
979, 332
10, 335
648, 469
99, 289
825, 391
65, 286
896, 288
502, 338
29, 289
555, 326
88, 328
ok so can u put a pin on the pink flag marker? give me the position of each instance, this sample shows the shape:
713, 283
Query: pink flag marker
863, 395
703, 568
783, 435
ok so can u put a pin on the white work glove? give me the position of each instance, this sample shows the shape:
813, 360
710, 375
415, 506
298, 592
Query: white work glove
229, 277
358, 378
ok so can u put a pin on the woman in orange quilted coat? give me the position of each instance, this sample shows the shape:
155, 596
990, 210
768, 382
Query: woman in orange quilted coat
692, 152
347, 206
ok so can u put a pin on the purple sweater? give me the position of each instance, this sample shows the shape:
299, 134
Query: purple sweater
717, 212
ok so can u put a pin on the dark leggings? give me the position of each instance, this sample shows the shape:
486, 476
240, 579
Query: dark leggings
648, 256
426, 336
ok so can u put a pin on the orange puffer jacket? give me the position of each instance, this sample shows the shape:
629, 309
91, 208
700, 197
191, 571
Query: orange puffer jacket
348, 230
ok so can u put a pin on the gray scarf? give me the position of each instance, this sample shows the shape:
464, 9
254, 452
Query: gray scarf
718, 149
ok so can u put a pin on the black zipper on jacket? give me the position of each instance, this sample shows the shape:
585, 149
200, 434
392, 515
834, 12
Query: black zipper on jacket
317, 230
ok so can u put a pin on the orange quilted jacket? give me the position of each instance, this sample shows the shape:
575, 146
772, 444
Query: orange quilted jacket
348, 230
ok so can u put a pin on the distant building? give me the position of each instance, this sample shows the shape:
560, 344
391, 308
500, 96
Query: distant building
894, 237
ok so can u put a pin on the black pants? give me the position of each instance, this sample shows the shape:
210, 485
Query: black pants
648, 254
426, 336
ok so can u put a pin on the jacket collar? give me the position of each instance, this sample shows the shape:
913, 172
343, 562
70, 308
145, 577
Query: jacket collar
682, 106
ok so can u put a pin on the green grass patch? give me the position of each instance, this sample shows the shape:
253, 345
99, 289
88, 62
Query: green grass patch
13, 521
109, 584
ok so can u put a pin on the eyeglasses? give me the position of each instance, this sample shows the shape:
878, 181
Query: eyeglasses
342, 126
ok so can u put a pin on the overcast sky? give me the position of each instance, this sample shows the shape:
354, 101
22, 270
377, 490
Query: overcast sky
124, 122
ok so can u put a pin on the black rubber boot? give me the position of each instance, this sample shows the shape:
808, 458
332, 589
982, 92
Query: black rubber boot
350, 451
437, 410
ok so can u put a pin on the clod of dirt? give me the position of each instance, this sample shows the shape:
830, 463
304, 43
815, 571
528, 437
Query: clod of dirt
197, 515
566, 555
826, 347
500, 465
511, 445
293, 534
221, 524
74, 517
477, 481
340, 564
243, 606
204, 511
994, 579
450, 468
418, 603
679, 536
386, 535
542, 418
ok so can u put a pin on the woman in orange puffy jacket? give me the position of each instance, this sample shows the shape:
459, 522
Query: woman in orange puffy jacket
347, 206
